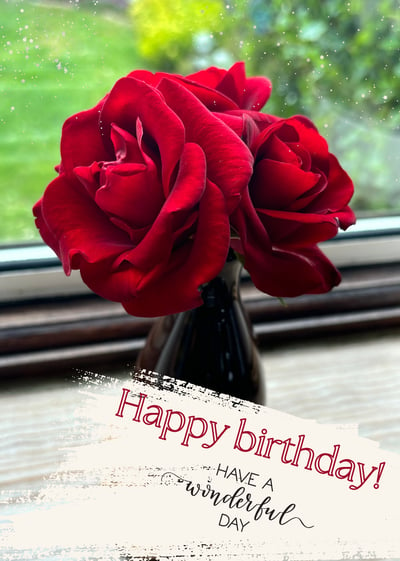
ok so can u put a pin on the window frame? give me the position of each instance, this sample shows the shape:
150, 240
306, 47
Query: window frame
31, 271
54, 325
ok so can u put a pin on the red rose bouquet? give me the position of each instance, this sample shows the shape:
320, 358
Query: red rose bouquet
167, 173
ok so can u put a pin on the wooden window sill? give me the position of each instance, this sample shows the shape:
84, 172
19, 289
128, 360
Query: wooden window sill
52, 336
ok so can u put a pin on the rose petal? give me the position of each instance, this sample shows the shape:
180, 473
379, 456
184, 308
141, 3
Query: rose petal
278, 185
89, 177
174, 287
127, 147
258, 91
247, 224
298, 229
281, 271
200, 84
178, 289
338, 193
310, 138
275, 148
229, 161
131, 99
74, 227
210, 77
131, 192
135, 198
185, 196
81, 141
251, 93
234, 122
292, 273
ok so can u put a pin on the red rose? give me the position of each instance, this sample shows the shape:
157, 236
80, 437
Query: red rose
227, 93
218, 89
297, 197
141, 205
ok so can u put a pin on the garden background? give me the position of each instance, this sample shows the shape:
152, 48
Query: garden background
336, 62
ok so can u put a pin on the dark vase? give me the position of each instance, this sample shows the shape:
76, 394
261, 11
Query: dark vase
212, 345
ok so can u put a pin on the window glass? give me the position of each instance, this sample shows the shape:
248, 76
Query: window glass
336, 62
57, 58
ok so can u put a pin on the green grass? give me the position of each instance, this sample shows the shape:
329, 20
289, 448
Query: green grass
56, 59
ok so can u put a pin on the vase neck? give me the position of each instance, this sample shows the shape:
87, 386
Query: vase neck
225, 285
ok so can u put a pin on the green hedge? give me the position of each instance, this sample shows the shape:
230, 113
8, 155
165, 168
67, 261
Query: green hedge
336, 62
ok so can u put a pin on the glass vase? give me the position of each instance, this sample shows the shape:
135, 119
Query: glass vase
211, 346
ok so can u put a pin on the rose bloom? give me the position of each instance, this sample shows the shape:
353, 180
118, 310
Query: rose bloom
147, 181
220, 90
167, 172
298, 196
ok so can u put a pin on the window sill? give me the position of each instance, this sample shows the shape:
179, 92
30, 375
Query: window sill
56, 335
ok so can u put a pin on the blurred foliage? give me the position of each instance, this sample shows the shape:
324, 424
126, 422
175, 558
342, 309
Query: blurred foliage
164, 30
336, 62
345, 51
348, 52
